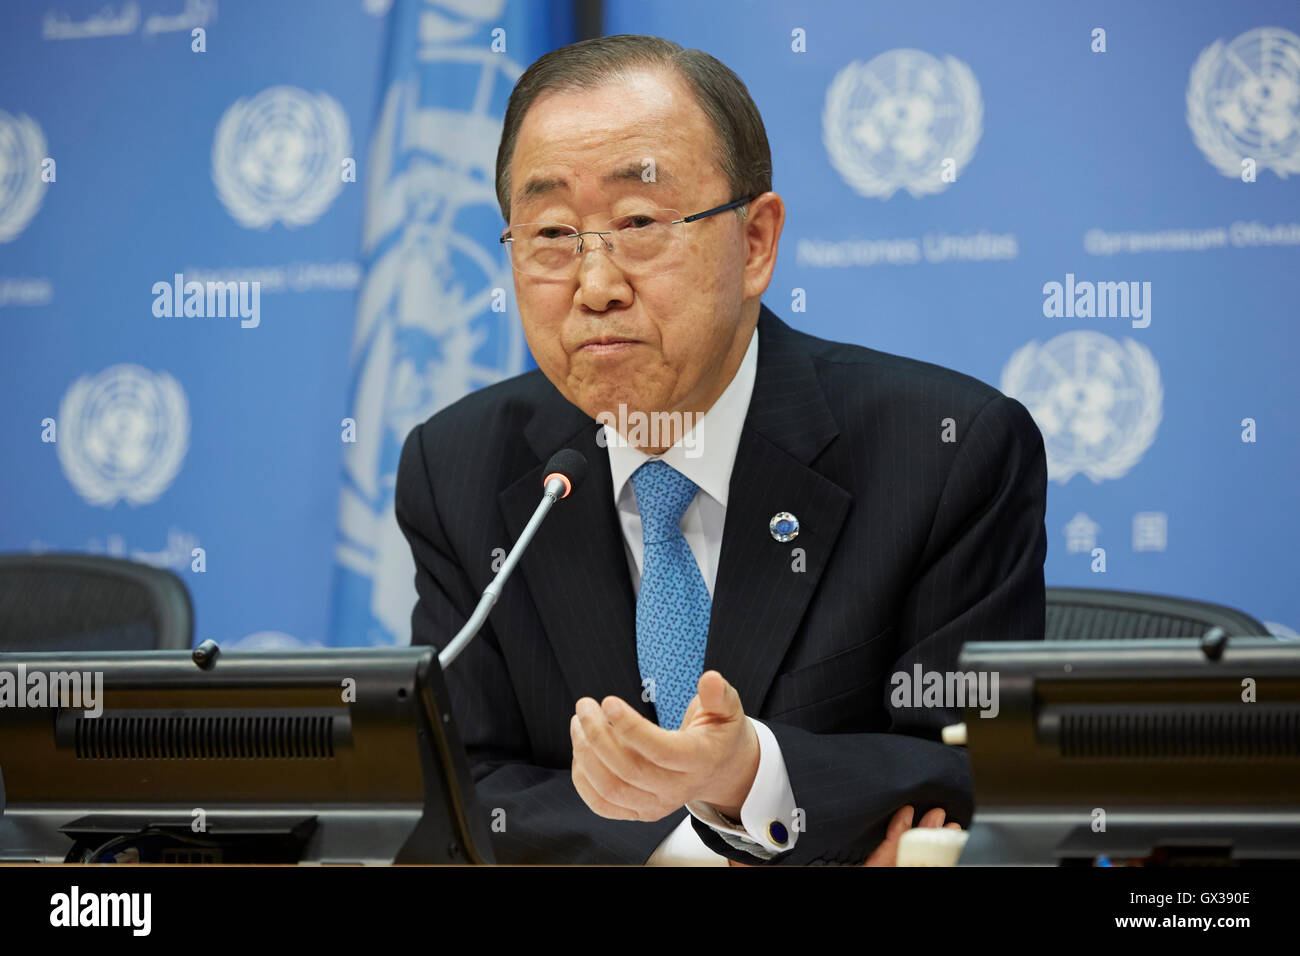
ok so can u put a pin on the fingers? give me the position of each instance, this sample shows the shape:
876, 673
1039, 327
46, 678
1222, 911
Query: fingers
628, 729
934, 818
602, 738
615, 797
598, 804
887, 853
900, 823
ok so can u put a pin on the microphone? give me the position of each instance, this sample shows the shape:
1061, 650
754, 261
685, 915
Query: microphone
563, 473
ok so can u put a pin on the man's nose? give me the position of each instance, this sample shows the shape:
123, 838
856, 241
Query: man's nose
601, 284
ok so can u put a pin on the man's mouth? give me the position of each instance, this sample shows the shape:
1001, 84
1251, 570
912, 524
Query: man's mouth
606, 344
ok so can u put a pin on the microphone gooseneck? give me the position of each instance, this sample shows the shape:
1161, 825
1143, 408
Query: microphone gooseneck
563, 473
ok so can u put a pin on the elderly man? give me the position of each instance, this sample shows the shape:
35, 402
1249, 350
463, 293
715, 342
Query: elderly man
697, 663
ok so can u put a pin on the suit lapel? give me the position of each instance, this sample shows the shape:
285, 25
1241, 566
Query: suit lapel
764, 586
576, 567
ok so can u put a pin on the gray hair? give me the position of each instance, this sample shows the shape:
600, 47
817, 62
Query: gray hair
741, 148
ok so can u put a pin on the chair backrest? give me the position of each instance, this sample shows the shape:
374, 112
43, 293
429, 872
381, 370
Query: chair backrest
82, 602
1089, 614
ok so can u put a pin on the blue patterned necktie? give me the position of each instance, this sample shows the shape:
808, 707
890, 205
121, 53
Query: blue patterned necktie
673, 605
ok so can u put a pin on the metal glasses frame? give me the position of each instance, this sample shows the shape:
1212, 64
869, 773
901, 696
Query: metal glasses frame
593, 232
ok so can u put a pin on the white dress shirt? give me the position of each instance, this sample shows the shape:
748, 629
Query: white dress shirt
706, 455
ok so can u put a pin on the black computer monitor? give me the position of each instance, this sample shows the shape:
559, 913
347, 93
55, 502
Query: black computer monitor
336, 756
1144, 751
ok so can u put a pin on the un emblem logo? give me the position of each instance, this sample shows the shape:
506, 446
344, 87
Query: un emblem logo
22, 150
278, 156
1097, 402
123, 434
890, 124
1243, 100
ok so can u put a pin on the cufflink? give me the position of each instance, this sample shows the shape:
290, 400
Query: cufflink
784, 526
777, 833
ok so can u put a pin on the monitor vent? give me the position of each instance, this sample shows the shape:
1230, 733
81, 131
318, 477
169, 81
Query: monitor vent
216, 737
1250, 731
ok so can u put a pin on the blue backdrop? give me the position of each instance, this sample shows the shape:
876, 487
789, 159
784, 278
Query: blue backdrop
1115, 166
1097, 211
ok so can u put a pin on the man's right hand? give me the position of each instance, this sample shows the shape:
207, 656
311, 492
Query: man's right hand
887, 853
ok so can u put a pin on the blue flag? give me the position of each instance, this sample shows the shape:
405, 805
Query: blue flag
435, 315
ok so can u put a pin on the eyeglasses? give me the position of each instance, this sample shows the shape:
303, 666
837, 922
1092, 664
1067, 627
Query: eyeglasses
636, 242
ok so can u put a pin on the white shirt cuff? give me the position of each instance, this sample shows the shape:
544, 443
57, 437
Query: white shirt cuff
768, 813
683, 847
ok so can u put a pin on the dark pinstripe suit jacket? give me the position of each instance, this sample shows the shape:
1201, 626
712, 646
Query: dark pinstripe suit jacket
910, 546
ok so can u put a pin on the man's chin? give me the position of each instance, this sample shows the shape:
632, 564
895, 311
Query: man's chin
614, 398
610, 407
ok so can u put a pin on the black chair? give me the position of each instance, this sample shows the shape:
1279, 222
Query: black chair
1075, 614
81, 602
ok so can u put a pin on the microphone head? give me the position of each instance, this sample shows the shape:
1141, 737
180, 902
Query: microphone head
567, 465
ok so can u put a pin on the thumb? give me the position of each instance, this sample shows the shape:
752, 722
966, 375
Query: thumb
716, 696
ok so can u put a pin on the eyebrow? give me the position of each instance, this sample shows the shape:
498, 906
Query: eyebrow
541, 185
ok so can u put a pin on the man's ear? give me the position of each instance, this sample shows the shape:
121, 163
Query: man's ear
762, 230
